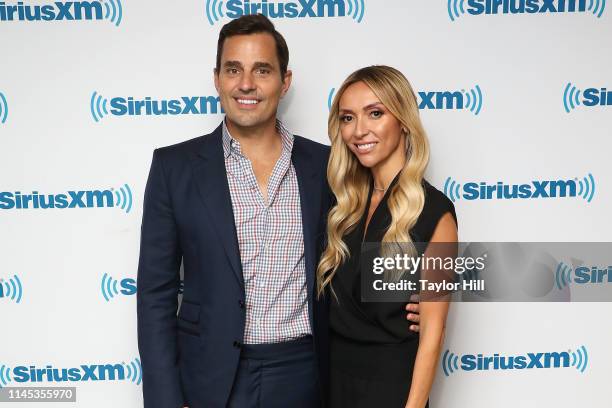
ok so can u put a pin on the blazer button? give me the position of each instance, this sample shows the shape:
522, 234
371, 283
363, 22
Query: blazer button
241, 303
237, 344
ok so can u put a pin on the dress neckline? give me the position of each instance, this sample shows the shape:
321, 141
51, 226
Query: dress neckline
364, 218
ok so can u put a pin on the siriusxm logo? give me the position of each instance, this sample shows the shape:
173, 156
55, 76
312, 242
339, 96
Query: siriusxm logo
584, 188
469, 100
564, 275
186, 105
119, 198
111, 287
458, 8
590, 97
217, 9
123, 371
452, 362
3, 108
11, 289
110, 10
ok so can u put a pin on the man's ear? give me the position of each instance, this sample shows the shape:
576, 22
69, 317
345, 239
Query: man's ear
216, 79
286, 82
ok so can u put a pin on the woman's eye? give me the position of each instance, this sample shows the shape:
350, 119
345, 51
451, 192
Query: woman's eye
345, 118
376, 114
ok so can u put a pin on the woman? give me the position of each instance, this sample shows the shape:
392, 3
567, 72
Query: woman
379, 152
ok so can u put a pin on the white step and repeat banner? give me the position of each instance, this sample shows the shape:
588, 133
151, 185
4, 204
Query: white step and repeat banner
513, 95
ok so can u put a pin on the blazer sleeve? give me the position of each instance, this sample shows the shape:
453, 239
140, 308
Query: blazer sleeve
157, 293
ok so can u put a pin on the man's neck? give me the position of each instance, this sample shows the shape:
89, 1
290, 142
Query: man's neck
256, 141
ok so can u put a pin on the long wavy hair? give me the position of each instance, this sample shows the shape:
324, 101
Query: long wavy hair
350, 181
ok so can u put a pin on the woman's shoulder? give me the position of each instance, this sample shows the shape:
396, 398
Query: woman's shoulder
436, 205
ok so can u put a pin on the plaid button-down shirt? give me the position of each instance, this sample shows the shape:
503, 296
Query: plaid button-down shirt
271, 243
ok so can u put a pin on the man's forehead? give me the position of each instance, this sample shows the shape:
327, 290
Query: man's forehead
259, 47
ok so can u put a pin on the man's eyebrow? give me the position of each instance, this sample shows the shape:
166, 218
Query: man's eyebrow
234, 64
267, 65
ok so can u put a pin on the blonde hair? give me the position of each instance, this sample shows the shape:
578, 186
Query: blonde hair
349, 180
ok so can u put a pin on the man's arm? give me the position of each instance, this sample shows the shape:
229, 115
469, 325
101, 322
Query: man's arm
158, 286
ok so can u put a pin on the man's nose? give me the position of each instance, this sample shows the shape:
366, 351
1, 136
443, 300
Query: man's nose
246, 82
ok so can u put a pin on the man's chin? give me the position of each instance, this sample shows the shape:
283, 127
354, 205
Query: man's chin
245, 122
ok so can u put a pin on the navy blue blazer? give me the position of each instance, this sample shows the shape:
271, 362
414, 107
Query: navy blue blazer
191, 359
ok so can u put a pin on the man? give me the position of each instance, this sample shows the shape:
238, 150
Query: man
244, 208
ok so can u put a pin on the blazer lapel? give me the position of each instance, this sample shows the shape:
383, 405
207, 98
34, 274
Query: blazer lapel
211, 178
310, 204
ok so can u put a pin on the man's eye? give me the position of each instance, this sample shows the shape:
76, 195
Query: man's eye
232, 71
263, 71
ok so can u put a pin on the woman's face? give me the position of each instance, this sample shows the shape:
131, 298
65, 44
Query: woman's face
367, 127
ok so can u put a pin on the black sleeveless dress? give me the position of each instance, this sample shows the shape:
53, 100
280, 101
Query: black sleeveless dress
373, 351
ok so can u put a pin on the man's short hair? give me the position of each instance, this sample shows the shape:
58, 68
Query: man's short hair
254, 24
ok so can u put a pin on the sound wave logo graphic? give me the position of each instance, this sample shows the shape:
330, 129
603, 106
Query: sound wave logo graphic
330, 98
5, 375
134, 371
3, 108
114, 11
98, 106
356, 10
11, 289
473, 100
597, 7
123, 198
563, 275
580, 359
455, 9
450, 363
571, 97
587, 187
452, 189
109, 287
214, 11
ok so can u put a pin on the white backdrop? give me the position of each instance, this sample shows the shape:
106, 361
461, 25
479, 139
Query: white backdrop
53, 301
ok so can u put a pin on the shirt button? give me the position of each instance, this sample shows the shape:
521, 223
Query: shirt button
237, 344
262, 284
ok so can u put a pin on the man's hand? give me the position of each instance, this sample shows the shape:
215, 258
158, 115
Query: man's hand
413, 312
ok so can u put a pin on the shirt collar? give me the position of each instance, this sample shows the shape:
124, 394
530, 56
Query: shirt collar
231, 145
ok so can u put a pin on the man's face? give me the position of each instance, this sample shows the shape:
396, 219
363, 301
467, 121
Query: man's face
249, 82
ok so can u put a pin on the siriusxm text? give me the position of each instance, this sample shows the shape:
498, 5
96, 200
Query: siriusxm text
584, 274
298, 9
71, 199
470, 362
186, 105
94, 372
535, 189
77, 10
477, 7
